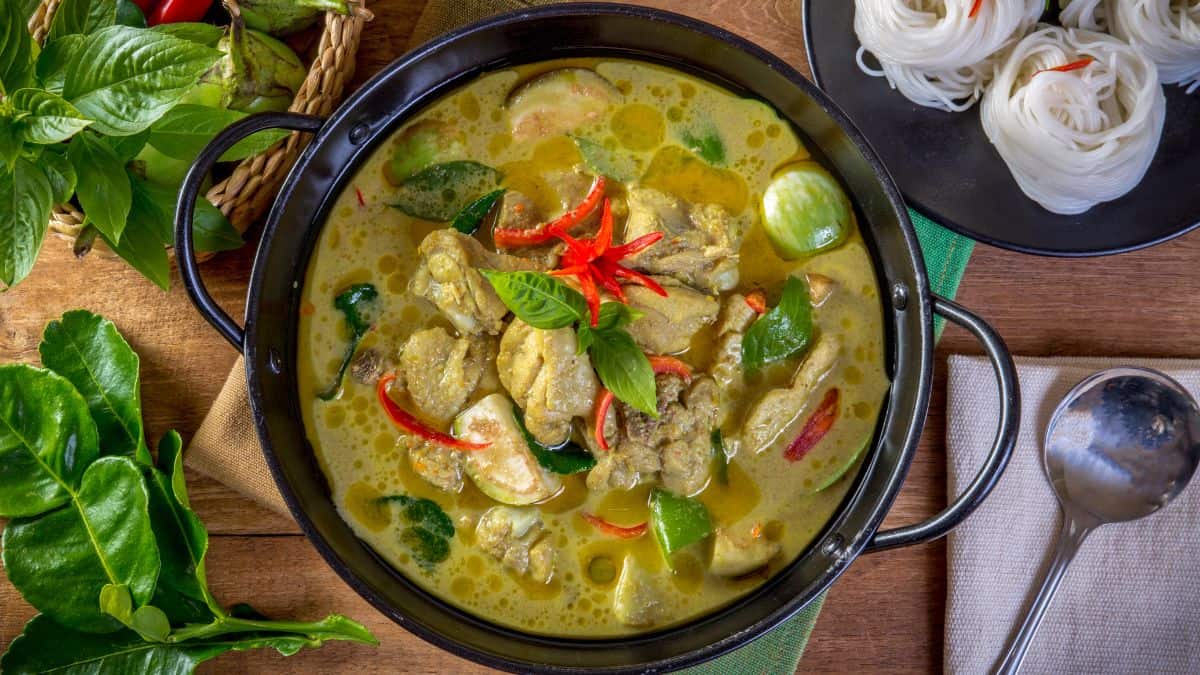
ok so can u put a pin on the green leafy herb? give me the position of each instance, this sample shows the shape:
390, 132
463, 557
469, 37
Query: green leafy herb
142, 245
706, 142
26, 199
358, 304
89, 352
103, 188
107, 548
205, 34
624, 369
50, 118
615, 315
783, 331
720, 457
429, 529
17, 49
59, 172
538, 299
438, 192
128, 147
82, 16
468, 220
54, 60
600, 160
185, 129
211, 230
129, 14
125, 78
566, 459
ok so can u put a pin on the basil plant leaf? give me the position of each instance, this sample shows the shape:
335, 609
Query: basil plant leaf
471, 217
205, 34
783, 331
143, 247
46, 647
127, 147
624, 369
59, 172
103, 537
17, 48
50, 120
211, 230
82, 16
438, 192
705, 141
47, 440
567, 459
538, 299
614, 315
359, 305
602, 161
126, 78
102, 187
26, 200
52, 63
88, 351
185, 129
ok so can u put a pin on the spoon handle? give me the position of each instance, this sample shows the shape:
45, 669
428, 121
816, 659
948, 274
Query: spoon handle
1069, 541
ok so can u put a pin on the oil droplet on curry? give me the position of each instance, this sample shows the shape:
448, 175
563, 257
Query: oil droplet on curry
496, 422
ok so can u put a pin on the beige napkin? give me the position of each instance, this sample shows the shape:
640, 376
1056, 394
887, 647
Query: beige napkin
225, 446
1130, 603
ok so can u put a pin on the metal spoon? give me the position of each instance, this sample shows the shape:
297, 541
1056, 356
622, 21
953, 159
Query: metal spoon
1120, 446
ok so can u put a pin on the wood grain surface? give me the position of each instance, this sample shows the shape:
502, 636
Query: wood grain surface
884, 615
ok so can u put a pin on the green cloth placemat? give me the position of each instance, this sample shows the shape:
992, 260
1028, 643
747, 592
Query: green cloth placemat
946, 256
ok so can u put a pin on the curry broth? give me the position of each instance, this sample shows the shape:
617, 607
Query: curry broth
365, 240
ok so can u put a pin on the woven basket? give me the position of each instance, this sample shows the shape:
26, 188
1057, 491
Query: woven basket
247, 193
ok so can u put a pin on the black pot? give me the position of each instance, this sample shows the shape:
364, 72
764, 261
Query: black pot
367, 118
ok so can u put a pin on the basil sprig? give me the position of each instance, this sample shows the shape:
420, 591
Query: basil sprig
782, 332
565, 459
428, 531
102, 539
544, 302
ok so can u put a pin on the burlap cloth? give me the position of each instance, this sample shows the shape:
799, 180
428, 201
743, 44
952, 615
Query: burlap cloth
1130, 603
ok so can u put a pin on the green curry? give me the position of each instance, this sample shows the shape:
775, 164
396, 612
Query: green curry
590, 347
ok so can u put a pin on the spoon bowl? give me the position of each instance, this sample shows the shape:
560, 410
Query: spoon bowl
1121, 445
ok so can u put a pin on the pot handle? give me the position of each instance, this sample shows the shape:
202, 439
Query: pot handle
1006, 437
185, 254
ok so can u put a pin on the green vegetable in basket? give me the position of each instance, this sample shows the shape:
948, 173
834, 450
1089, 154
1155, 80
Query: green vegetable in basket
102, 539
256, 74
284, 17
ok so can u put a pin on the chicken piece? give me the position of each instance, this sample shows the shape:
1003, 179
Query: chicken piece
448, 276
820, 287
514, 537
675, 447
700, 244
367, 366
777, 408
637, 600
441, 371
736, 553
668, 324
439, 466
736, 317
547, 378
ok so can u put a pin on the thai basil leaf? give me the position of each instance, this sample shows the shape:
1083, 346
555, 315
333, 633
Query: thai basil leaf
102, 188
60, 561
185, 129
127, 147
46, 647
56, 56
129, 14
783, 331
125, 78
59, 172
538, 299
359, 305
17, 49
600, 160
26, 199
211, 230
566, 459
706, 142
47, 440
142, 246
11, 144
624, 369
614, 315
88, 351
50, 120
426, 513
82, 16
205, 34
428, 548
442, 190
182, 590
468, 220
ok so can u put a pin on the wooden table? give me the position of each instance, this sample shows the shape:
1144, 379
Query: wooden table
885, 614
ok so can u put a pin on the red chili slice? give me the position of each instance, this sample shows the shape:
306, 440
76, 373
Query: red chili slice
670, 364
614, 530
815, 428
757, 301
602, 406
1068, 67
359, 195
975, 8
509, 237
406, 421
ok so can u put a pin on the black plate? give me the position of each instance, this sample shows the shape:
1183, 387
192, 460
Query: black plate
947, 168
